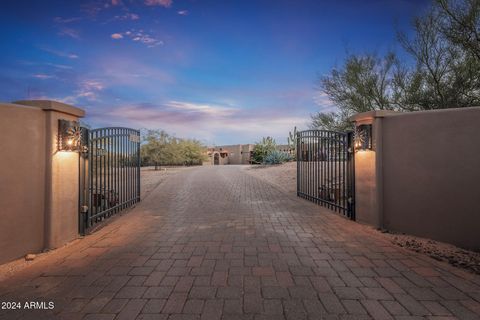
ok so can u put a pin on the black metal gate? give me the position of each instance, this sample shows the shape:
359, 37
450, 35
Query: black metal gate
109, 173
326, 169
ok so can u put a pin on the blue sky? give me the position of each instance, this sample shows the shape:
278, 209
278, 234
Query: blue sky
224, 72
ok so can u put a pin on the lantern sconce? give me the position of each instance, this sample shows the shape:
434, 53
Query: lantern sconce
69, 135
363, 137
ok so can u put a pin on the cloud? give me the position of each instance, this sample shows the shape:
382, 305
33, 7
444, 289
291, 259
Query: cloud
204, 121
121, 71
139, 36
61, 53
128, 16
116, 36
87, 89
92, 85
59, 66
66, 20
147, 40
72, 33
204, 109
324, 102
163, 3
183, 12
43, 76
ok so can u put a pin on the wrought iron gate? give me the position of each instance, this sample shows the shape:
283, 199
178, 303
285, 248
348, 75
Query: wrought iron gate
109, 173
326, 169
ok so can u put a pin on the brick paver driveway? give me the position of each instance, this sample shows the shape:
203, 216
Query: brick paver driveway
216, 243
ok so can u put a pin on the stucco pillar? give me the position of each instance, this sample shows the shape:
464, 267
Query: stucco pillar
61, 176
369, 171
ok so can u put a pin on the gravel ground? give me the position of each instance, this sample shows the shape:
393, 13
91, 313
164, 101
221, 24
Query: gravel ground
284, 176
440, 251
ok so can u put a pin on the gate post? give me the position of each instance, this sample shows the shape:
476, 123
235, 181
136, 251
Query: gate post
61, 176
368, 170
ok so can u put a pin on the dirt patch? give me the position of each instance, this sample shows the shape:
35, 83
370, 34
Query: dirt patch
455, 256
283, 176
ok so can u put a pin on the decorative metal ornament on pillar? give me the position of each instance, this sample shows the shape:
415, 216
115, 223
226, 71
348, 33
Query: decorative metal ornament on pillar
363, 137
69, 135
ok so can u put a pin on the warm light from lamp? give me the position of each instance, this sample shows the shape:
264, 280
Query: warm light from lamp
69, 135
363, 137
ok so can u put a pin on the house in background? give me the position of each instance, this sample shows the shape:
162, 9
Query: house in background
236, 154
231, 154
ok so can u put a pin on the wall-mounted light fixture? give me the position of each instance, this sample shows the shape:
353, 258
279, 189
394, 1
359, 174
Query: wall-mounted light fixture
363, 137
69, 135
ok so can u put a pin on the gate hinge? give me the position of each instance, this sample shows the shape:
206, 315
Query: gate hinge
84, 209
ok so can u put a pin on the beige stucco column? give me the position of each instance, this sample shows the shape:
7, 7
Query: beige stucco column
368, 171
61, 176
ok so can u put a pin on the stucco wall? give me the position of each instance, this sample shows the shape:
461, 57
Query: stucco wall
64, 190
234, 154
431, 175
22, 180
237, 154
365, 188
38, 183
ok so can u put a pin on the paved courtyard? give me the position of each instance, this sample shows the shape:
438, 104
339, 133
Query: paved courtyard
217, 243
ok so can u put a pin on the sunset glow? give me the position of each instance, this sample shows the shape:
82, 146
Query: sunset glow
224, 72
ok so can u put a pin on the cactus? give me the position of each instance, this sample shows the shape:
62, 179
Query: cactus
292, 141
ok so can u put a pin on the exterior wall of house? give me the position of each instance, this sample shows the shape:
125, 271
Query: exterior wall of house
231, 154
423, 174
238, 153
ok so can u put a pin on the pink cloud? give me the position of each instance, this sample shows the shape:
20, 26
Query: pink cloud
189, 119
42, 76
163, 3
139, 36
116, 36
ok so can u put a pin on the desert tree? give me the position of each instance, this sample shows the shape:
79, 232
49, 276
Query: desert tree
160, 148
445, 72
460, 23
363, 83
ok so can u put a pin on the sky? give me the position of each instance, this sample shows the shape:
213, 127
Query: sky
222, 72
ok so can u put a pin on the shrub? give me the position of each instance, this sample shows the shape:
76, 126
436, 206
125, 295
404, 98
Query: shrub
276, 157
263, 149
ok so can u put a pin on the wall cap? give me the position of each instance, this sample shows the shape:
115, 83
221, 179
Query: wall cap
370, 115
50, 105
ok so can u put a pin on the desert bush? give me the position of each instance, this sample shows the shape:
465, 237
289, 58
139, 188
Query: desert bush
276, 157
263, 149
159, 148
